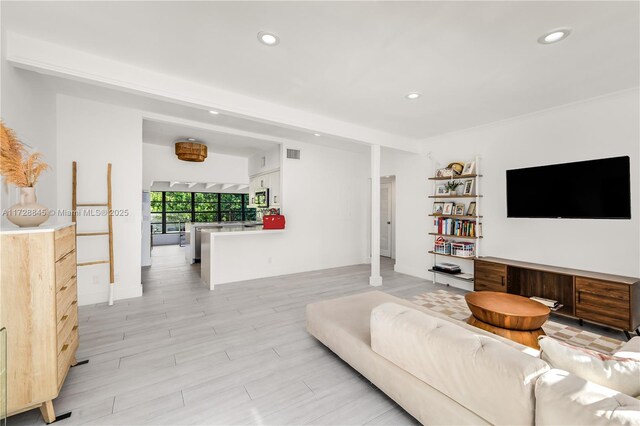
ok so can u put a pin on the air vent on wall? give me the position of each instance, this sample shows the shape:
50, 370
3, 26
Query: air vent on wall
294, 154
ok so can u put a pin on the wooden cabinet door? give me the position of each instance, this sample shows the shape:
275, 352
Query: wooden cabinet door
603, 302
489, 276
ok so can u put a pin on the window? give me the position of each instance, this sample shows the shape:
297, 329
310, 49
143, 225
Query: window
177, 211
206, 207
231, 208
170, 210
157, 200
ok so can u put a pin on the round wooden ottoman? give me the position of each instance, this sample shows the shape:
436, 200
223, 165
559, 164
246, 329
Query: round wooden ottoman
514, 317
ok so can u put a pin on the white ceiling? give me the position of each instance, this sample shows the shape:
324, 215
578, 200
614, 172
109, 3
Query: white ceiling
474, 62
167, 134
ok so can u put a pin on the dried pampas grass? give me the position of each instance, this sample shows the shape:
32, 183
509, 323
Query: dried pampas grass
16, 164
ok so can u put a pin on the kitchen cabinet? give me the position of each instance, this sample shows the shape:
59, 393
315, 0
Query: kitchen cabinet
267, 180
254, 184
274, 189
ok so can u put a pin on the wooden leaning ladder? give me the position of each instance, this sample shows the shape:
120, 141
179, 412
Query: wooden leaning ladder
108, 205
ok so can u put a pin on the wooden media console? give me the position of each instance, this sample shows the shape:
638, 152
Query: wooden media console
604, 299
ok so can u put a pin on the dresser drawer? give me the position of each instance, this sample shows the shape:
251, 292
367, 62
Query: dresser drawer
66, 356
68, 323
65, 269
65, 241
65, 297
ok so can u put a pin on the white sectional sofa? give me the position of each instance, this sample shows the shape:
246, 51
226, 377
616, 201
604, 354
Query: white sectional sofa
444, 371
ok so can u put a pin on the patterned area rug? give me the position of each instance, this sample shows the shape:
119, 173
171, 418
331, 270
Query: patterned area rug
454, 306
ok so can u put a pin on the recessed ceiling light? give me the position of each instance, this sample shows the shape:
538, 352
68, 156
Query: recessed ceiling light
269, 39
214, 112
317, 134
554, 36
191, 139
413, 96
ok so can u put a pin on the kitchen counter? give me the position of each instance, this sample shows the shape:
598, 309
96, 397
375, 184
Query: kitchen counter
193, 231
216, 244
239, 230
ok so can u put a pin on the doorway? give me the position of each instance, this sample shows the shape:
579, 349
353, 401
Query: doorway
387, 216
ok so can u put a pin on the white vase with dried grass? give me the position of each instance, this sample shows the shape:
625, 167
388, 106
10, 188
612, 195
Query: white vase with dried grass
22, 169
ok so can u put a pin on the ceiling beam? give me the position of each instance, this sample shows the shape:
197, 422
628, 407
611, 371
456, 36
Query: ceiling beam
209, 185
192, 184
54, 59
172, 184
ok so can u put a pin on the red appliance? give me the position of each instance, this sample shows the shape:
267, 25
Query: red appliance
273, 220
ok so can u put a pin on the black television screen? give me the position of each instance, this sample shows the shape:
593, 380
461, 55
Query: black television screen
594, 189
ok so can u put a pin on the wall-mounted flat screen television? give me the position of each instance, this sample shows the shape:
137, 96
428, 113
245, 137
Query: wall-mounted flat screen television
594, 189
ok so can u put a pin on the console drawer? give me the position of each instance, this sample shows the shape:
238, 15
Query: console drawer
616, 320
602, 288
603, 302
489, 276
480, 285
490, 267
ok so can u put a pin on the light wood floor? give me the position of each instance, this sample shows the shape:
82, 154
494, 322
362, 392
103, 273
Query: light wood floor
182, 354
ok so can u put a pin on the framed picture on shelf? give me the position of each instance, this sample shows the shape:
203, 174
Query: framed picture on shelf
438, 208
469, 168
459, 210
444, 173
471, 211
468, 187
448, 208
442, 190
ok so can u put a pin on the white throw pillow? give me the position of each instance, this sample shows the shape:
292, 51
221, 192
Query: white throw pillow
631, 349
619, 374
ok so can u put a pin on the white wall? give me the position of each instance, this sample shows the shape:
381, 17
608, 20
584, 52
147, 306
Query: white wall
412, 223
272, 161
327, 207
94, 134
27, 105
598, 128
161, 164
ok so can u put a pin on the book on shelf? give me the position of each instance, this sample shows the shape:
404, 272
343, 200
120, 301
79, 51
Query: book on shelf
455, 227
450, 268
550, 303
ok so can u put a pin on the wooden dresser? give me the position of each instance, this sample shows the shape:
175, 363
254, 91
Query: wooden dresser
39, 308
605, 299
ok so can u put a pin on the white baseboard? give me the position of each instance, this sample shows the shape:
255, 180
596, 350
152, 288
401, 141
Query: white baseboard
375, 281
121, 292
414, 272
